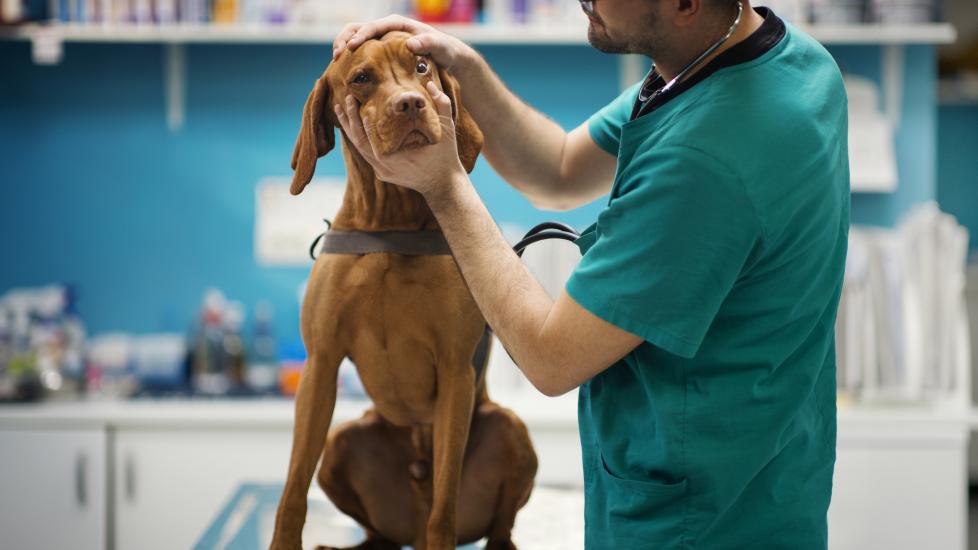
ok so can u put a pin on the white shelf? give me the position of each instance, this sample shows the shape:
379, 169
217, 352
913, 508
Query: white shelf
931, 33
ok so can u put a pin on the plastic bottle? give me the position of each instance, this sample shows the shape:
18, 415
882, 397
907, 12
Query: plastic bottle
461, 11
262, 373
207, 376
435, 11
232, 347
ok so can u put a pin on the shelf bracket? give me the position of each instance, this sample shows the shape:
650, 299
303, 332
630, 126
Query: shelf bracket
174, 84
893, 62
47, 46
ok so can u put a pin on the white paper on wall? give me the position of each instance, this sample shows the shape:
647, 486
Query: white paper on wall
285, 225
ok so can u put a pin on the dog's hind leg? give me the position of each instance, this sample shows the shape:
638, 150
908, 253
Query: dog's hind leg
364, 473
503, 428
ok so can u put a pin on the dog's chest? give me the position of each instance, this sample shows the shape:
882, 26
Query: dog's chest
409, 319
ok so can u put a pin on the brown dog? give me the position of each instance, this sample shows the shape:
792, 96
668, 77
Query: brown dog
434, 463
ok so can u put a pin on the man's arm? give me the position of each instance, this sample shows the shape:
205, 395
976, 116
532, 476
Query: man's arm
554, 169
556, 343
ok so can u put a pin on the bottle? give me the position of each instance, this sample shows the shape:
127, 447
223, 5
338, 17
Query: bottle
225, 11
433, 11
232, 348
262, 373
73, 332
6, 354
461, 11
207, 376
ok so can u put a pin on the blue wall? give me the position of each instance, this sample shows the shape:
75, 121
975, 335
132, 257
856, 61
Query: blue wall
915, 139
97, 192
957, 162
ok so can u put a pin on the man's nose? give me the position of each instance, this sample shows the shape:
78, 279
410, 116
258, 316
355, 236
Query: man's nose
409, 104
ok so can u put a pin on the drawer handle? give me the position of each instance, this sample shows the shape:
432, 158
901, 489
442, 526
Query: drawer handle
130, 481
81, 480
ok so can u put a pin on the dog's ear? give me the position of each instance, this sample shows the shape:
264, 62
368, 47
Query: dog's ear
315, 136
467, 132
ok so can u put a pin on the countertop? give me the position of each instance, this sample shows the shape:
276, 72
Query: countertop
541, 413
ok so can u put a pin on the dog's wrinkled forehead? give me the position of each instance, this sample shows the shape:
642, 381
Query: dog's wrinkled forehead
376, 61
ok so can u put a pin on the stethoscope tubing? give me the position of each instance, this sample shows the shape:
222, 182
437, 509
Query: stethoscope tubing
678, 78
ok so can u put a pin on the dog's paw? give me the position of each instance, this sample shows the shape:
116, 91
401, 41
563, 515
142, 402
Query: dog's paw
500, 545
280, 545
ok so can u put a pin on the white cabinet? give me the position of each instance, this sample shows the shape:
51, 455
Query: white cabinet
900, 484
52, 488
154, 475
169, 484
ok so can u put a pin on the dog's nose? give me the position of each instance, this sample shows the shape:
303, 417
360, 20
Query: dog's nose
409, 103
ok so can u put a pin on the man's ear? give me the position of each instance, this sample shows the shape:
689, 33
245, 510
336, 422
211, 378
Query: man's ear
315, 136
467, 132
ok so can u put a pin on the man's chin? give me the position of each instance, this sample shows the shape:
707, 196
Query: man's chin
600, 41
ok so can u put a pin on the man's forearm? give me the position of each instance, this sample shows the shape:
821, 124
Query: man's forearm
513, 302
522, 145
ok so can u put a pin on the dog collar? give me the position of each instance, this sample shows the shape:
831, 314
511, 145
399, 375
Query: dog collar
408, 243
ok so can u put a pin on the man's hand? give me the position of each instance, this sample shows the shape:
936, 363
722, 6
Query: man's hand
427, 169
446, 50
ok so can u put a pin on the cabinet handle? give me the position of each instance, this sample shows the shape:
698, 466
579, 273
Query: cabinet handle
81, 479
130, 481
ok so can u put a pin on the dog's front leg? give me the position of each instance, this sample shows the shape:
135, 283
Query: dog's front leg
453, 416
314, 405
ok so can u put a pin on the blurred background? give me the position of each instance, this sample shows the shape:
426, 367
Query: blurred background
153, 262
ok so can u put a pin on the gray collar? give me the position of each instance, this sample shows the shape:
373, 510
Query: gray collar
408, 243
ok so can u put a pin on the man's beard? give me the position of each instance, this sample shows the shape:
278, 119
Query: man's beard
597, 35
600, 41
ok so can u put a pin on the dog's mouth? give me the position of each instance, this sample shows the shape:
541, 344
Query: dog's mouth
414, 139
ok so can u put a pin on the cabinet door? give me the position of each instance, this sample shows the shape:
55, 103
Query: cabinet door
904, 492
170, 485
52, 489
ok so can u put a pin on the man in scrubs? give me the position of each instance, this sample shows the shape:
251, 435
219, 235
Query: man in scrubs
699, 323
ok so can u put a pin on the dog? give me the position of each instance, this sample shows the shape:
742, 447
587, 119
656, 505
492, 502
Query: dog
434, 463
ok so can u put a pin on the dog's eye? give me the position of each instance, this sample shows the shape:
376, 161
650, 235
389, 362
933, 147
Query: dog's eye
422, 67
361, 78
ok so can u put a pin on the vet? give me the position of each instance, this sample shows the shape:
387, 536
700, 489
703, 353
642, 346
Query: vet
699, 323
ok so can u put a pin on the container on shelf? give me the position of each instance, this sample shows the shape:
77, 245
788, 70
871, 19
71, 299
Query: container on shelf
902, 12
838, 12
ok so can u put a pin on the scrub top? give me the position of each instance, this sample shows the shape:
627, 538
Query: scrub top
722, 245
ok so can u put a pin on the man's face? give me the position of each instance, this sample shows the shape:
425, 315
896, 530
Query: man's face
625, 26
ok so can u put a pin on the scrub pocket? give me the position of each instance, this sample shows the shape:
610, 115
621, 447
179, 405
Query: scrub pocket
632, 513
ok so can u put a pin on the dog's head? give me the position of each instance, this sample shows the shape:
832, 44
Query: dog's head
388, 82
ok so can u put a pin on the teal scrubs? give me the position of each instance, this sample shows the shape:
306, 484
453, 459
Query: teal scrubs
722, 246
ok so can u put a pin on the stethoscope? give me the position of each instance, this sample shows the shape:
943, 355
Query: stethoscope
646, 95
555, 230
